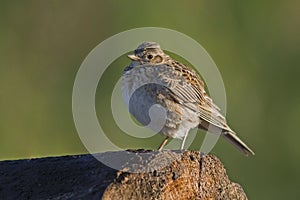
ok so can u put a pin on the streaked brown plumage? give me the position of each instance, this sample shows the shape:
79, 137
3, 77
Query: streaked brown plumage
153, 77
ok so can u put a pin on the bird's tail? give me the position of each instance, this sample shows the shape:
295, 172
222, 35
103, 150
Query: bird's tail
237, 142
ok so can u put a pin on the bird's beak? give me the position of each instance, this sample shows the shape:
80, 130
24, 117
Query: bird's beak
133, 57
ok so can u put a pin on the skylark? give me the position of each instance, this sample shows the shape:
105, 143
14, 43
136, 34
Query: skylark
154, 78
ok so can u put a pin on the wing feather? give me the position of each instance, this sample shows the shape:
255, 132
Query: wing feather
188, 89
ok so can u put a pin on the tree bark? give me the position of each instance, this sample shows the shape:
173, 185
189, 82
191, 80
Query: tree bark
140, 174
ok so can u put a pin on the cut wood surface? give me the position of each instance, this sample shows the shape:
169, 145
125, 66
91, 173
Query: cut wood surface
140, 174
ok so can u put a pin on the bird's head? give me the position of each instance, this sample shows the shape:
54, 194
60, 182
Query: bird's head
148, 53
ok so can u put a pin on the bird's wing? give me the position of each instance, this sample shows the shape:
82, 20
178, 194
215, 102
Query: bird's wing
188, 89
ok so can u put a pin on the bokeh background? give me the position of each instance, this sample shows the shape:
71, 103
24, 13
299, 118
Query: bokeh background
255, 44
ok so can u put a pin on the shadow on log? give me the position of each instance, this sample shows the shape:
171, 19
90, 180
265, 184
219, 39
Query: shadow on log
160, 175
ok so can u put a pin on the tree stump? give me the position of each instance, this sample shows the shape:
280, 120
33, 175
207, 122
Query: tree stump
188, 176
150, 175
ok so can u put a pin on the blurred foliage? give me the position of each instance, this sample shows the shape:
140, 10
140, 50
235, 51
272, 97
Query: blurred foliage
255, 44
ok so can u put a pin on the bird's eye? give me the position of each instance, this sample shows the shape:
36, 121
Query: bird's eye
149, 56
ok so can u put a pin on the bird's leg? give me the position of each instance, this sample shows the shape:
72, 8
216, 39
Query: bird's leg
163, 143
183, 141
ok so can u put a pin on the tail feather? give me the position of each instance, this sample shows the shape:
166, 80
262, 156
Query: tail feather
237, 142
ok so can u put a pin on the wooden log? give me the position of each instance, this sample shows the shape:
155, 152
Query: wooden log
150, 175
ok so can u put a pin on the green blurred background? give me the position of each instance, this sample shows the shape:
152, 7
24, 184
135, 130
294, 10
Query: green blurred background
255, 44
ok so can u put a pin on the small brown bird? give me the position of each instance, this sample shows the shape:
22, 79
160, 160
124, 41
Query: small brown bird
154, 78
